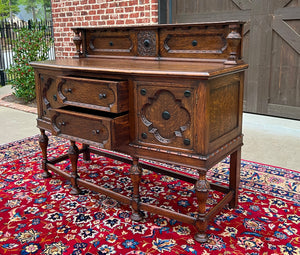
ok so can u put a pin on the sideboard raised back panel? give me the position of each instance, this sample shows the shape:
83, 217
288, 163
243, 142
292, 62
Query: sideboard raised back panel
173, 41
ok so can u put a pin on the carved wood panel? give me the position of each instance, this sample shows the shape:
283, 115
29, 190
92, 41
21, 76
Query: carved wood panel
165, 115
49, 94
147, 42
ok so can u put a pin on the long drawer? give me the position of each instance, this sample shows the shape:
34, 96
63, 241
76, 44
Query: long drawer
104, 95
107, 131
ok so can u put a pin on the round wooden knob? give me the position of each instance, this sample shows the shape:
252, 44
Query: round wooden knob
166, 115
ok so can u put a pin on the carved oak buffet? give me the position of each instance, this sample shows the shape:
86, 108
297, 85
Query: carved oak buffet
170, 93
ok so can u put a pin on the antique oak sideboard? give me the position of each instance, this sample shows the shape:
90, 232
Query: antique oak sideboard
170, 93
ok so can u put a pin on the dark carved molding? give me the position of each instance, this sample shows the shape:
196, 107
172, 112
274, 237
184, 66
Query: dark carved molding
146, 43
46, 87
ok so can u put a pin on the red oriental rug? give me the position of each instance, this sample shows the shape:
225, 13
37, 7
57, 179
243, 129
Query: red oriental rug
39, 216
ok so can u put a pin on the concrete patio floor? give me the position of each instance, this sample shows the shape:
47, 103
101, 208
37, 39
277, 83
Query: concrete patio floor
267, 140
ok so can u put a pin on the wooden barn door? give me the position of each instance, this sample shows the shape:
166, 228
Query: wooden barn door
271, 47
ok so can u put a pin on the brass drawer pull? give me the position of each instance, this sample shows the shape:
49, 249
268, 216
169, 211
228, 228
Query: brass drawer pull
61, 123
96, 132
101, 96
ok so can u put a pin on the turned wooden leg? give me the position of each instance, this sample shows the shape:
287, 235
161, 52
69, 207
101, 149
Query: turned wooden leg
73, 153
234, 178
86, 153
135, 174
43, 141
202, 188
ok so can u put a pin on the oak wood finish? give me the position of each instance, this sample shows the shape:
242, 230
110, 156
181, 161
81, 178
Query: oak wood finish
166, 93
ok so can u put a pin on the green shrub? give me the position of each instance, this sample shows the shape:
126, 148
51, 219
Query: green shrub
30, 45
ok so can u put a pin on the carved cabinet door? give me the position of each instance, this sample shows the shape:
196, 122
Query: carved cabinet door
165, 115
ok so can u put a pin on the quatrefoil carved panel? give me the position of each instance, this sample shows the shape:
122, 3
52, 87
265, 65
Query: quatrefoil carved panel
146, 43
165, 116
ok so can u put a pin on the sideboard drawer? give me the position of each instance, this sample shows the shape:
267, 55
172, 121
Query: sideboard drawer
119, 42
108, 131
104, 95
189, 42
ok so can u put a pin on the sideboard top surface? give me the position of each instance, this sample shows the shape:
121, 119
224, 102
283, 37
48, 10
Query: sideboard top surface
142, 67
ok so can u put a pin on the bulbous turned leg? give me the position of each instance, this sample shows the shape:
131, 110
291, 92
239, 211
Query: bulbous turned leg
202, 188
86, 153
73, 153
135, 174
43, 141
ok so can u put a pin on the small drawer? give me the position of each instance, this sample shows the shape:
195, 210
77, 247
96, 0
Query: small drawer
110, 43
108, 131
103, 95
194, 42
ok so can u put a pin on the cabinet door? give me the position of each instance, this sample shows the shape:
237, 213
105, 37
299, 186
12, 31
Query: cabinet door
165, 115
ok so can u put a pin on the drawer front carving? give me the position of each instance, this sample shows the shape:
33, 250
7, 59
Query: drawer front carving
49, 94
104, 131
110, 43
111, 96
192, 43
165, 115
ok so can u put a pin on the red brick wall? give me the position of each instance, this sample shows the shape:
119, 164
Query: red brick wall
82, 13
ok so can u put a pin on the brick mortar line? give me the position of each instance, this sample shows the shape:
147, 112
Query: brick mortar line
16, 106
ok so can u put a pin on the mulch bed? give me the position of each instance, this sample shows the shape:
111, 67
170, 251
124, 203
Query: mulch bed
12, 101
12, 98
